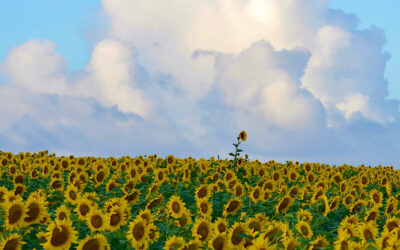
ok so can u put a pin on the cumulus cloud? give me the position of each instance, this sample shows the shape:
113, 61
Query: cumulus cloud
301, 78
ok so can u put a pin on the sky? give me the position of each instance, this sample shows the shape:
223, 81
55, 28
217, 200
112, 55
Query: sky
308, 80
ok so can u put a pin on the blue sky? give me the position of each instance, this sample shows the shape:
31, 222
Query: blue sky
119, 77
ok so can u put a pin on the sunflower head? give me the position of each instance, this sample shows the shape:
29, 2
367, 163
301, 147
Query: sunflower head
176, 207
242, 135
232, 207
60, 235
96, 242
138, 232
202, 229
14, 214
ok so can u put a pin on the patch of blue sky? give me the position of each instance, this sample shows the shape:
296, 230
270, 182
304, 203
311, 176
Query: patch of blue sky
69, 24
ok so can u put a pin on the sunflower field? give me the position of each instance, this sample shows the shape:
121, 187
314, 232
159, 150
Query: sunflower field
147, 202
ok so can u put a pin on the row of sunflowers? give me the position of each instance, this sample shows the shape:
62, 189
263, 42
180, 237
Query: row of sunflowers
148, 202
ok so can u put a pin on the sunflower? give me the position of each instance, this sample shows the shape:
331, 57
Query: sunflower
376, 198
170, 159
83, 208
138, 232
243, 135
202, 229
235, 240
19, 189
116, 219
284, 204
153, 234
304, 229
203, 192
72, 194
146, 215
60, 235
392, 223
193, 244
334, 203
204, 208
343, 242
62, 213
319, 243
111, 185
326, 209
347, 229
35, 210
372, 214
133, 196
174, 242
232, 207
14, 214
175, 206
368, 231
256, 194
383, 242
185, 220
57, 184
96, 220
218, 241
255, 225
95, 242
12, 242
390, 208
290, 243
3, 193
220, 225
155, 202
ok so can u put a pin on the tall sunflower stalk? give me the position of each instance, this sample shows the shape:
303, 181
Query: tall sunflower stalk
241, 138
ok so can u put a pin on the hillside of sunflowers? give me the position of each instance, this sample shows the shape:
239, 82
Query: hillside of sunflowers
148, 202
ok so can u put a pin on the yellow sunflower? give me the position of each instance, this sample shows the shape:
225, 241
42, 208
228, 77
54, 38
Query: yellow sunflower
376, 198
304, 229
153, 234
62, 213
193, 244
175, 206
243, 135
174, 242
83, 207
133, 196
14, 214
60, 235
372, 214
138, 232
368, 231
204, 208
218, 241
319, 243
97, 220
284, 204
12, 242
72, 194
202, 229
232, 207
185, 220
235, 240
35, 210
116, 219
256, 194
95, 242
203, 192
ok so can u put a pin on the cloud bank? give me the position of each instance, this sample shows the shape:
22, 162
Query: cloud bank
184, 77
